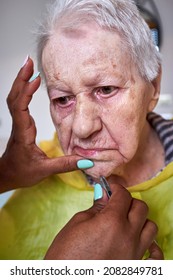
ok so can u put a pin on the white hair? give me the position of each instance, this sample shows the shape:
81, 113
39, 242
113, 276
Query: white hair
121, 16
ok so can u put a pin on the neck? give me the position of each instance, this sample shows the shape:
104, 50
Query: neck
145, 164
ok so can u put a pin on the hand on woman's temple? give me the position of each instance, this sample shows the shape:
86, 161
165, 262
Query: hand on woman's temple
23, 163
114, 229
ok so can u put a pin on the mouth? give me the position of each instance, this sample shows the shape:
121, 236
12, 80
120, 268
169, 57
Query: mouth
89, 152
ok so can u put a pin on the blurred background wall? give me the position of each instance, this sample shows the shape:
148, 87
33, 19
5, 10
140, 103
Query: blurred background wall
18, 21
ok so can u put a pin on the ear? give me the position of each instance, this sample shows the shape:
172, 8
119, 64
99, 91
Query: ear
156, 84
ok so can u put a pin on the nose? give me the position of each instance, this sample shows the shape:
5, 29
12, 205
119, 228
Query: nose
86, 118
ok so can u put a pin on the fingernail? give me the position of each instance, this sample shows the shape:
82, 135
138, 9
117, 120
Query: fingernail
34, 77
98, 191
25, 61
85, 164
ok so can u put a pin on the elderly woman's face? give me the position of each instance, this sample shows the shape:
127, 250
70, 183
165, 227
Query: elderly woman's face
98, 101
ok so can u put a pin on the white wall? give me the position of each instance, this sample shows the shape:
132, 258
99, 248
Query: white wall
166, 101
18, 20
165, 9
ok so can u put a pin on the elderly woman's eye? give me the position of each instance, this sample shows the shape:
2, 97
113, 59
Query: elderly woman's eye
63, 101
107, 90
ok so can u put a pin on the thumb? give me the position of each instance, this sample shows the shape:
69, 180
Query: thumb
62, 164
100, 198
100, 201
155, 252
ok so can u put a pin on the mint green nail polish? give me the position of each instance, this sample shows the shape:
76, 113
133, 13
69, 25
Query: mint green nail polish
85, 164
98, 192
35, 76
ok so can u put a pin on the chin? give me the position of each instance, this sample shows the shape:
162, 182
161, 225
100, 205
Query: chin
101, 169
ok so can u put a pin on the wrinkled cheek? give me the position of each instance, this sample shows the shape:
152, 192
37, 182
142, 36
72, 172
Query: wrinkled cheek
60, 129
103, 168
64, 139
63, 136
57, 120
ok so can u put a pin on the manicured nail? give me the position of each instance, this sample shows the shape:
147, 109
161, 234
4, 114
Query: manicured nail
25, 61
85, 164
34, 77
98, 191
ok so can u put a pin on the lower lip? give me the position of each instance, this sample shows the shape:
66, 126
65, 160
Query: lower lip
87, 152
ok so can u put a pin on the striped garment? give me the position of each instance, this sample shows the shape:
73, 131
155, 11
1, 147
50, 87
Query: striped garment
164, 129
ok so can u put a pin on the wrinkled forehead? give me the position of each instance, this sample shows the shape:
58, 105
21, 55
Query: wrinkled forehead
87, 37
84, 47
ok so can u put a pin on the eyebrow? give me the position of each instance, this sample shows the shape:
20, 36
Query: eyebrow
89, 82
92, 80
96, 80
57, 85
